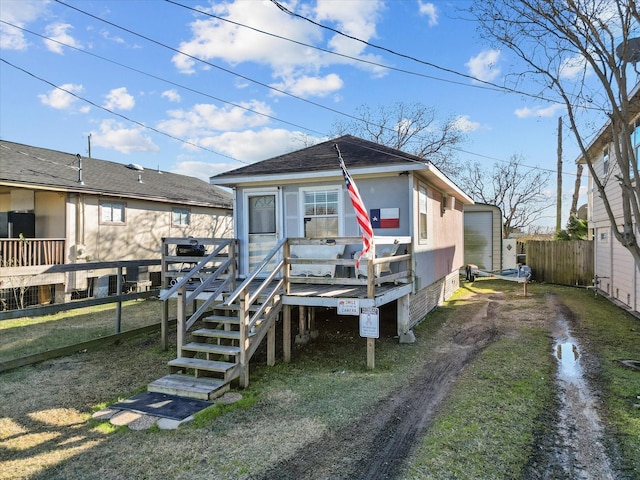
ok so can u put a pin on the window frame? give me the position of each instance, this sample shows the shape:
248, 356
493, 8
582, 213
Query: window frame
104, 204
181, 211
423, 216
337, 189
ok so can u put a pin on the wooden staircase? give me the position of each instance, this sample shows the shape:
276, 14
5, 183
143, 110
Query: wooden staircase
208, 364
228, 326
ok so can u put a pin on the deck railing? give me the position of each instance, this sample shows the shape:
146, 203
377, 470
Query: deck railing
31, 252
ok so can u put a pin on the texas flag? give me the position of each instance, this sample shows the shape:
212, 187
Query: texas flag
385, 217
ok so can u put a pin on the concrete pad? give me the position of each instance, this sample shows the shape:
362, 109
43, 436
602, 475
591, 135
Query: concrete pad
105, 414
170, 424
125, 418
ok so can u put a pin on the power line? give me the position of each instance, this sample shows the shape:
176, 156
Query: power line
338, 54
202, 93
162, 79
118, 114
409, 57
218, 67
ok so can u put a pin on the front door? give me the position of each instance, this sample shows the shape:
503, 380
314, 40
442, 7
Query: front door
262, 219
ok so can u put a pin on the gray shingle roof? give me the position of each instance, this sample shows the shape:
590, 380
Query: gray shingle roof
355, 151
50, 169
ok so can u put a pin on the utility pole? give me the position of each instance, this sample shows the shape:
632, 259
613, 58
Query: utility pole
559, 187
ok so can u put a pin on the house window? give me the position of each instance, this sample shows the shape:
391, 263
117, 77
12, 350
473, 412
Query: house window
320, 213
605, 161
181, 217
635, 143
422, 213
112, 212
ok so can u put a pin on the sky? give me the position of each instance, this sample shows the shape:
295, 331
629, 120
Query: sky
198, 87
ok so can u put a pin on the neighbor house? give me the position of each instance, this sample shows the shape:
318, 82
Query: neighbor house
61, 208
617, 275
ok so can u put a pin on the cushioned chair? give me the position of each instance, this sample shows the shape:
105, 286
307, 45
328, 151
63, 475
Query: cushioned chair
381, 252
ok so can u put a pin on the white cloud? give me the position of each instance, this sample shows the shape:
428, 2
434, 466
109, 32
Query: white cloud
291, 63
550, 111
204, 119
463, 123
572, 67
60, 99
119, 99
484, 66
115, 136
59, 32
306, 86
252, 146
203, 170
430, 11
357, 18
171, 95
19, 13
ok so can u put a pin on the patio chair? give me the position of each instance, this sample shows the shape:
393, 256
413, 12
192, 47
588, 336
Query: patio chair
382, 251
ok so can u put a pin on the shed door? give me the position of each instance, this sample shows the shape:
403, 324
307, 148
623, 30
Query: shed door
478, 239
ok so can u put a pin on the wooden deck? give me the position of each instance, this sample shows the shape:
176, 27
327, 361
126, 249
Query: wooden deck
328, 295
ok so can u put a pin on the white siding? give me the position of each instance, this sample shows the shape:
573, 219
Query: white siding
602, 254
622, 269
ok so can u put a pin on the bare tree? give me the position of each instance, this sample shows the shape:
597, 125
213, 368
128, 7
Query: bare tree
519, 192
582, 52
412, 128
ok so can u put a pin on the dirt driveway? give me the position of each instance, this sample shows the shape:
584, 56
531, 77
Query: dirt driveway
378, 444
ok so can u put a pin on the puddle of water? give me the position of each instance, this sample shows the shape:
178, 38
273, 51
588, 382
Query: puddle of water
579, 452
568, 356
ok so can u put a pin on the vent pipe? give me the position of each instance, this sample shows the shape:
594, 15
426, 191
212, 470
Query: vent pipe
79, 169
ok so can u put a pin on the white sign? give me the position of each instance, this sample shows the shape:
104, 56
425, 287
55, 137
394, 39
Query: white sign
348, 306
369, 322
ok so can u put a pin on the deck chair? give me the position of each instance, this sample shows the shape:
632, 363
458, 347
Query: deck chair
381, 252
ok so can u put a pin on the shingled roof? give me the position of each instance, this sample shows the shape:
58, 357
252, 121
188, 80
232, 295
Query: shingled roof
356, 152
27, 166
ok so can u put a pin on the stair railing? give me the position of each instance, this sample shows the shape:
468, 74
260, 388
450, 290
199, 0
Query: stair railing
185, 296
247, 300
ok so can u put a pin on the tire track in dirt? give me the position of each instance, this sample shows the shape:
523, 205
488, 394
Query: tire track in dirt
376, 444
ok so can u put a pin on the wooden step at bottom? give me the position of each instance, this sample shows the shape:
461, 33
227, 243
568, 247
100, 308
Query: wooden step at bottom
200, 364
202, 388
211, 348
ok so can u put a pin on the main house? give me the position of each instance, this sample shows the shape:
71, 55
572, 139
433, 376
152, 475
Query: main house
297, 247
61, 208
617, 274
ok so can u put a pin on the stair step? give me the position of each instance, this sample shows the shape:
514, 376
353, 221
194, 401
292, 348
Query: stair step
221, 319
202, 388
211, 348
200, 364
215, 333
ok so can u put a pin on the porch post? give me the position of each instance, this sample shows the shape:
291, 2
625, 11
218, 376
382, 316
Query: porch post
271, 345
303, 333
404, 332
286, 333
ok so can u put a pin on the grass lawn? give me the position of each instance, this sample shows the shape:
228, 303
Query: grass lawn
486, 428
26, 336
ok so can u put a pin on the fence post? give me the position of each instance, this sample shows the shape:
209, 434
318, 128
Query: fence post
119, 304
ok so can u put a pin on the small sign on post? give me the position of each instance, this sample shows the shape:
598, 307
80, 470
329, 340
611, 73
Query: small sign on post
369, 322
348, 306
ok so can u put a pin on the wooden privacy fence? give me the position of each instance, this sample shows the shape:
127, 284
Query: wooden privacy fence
561, 262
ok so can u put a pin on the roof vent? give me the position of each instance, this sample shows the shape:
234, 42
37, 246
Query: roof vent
135, 166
